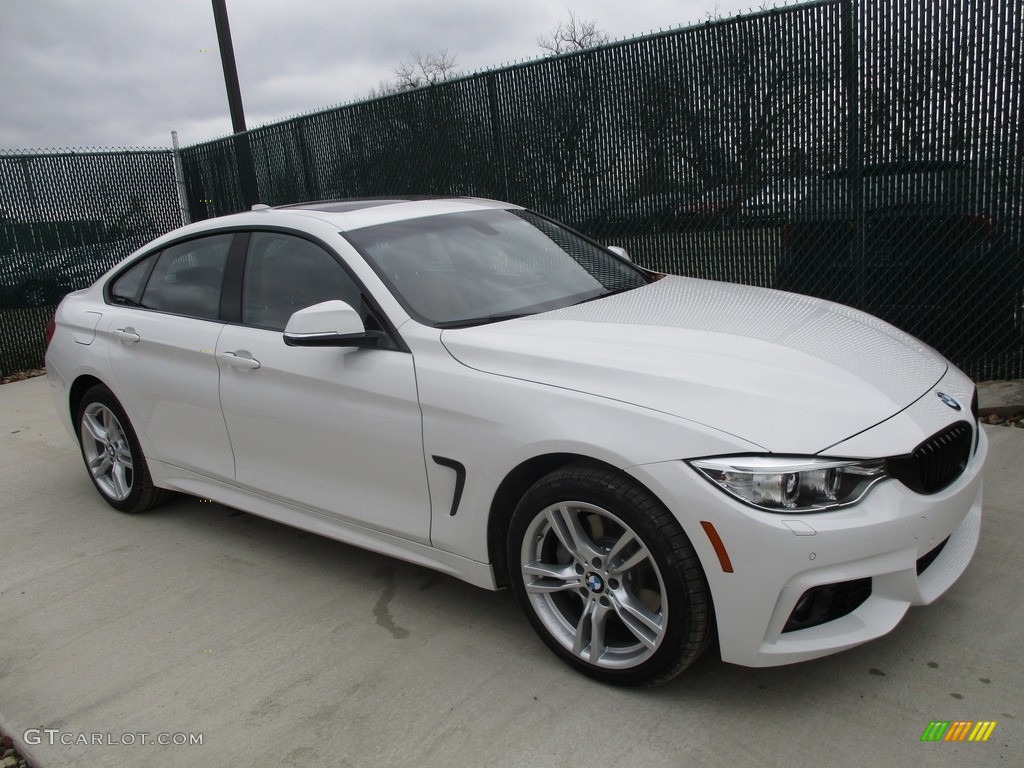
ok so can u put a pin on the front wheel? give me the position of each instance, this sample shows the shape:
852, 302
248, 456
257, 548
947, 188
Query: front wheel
607, 577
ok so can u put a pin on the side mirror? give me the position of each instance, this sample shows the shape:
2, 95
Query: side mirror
329, 324
620, 252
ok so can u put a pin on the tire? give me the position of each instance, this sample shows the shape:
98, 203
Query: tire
607, 577
112, 454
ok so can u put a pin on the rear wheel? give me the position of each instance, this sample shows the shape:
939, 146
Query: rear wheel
607, 577
112, 454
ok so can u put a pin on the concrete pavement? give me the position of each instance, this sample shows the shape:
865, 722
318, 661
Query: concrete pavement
1000, 398
277, 647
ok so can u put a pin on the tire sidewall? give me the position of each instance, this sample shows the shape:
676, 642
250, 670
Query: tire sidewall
100, 394
633, 507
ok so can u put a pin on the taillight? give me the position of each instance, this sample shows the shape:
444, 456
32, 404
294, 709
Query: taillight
51, 327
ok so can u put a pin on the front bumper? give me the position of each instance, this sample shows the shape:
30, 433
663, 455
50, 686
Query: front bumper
777, 559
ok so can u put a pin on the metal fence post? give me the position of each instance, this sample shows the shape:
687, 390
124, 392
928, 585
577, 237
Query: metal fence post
854, 141
179, 179
496, 134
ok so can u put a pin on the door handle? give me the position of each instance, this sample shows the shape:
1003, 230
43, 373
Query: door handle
127, 334
236, 360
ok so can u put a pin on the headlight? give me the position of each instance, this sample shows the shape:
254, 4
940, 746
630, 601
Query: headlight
793, 484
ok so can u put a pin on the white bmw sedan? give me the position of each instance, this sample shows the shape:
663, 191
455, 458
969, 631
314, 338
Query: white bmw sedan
646, 460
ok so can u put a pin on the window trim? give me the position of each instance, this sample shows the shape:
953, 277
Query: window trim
391, 332
185, 242
108, 289
234, 270
108, 295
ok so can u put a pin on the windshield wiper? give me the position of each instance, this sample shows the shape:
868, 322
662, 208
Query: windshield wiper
608, 293
469, 322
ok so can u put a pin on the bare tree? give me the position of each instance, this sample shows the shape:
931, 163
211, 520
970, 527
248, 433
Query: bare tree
420, 70
573, 35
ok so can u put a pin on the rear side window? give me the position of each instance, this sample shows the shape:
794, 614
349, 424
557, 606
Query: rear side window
187, 278
127, 287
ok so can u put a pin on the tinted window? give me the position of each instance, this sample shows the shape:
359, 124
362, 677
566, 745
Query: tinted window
126, 288
187, 278
284, 274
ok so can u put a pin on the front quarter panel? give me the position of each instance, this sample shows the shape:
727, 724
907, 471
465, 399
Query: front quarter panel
491, 424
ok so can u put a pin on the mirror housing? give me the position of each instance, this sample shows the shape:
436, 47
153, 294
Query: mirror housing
329, 324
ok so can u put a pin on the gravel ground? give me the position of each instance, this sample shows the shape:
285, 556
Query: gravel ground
9, 757
1013, 420
22, 375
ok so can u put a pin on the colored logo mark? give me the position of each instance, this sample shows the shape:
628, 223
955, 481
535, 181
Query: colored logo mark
958, 730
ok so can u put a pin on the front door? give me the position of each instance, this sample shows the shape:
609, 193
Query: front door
337, 430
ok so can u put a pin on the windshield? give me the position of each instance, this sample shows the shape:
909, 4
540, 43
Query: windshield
462, 269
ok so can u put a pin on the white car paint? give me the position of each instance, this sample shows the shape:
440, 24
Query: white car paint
744, 360
640, 381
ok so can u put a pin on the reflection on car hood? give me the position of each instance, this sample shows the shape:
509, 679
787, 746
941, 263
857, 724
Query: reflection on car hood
787, 372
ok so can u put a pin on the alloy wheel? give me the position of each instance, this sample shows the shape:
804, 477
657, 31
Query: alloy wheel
594, 585
108, 455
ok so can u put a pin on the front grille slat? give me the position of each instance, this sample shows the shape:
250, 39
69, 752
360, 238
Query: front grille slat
937, 462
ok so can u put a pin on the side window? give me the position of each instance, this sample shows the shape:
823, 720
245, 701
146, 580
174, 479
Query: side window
126, 288
187, 278
284, 274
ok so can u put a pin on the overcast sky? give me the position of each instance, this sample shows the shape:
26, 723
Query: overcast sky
124, 73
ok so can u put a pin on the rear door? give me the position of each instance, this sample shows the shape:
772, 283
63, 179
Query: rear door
161, 346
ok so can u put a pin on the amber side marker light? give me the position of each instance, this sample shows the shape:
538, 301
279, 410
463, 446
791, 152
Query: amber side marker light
716, 542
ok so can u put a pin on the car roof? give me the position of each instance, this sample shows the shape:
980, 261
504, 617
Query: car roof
355, 204
339, 215
357, 213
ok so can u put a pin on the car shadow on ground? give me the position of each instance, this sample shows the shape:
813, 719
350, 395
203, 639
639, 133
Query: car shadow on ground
912, 653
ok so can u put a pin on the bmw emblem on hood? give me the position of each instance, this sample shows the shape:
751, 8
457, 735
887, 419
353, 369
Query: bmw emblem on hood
948, 400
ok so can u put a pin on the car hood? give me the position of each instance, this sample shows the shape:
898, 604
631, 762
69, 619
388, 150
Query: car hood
789, 373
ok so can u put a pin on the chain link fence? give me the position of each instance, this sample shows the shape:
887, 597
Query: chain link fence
65, 218
867, 153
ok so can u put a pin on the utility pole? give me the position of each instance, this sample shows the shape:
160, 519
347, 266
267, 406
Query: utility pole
227, 60
243, 150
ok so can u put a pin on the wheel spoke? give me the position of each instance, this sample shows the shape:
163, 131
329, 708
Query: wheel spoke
113, 429
124, 457
553, 578
598, 621
646, 626
95, 429
565, 522
632, 561
99, 465
625, 539
120, 482
589, 638
620, 560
